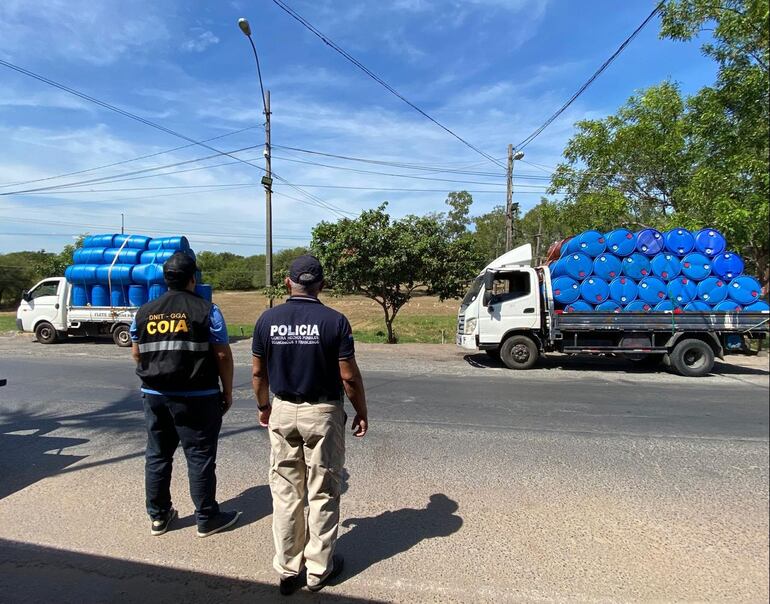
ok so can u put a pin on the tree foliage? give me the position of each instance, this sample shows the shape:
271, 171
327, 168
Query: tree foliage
388, 260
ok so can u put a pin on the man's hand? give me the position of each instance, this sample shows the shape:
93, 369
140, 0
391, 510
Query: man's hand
264, 416
227, 401
360, 425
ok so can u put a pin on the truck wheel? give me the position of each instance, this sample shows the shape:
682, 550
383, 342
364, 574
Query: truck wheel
45, 333
121, 336
493, 353
692, 358
519, 352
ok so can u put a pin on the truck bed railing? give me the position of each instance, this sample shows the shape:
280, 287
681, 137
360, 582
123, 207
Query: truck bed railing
737, 322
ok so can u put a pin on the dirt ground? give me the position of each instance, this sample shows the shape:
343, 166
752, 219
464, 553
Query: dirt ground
245, 307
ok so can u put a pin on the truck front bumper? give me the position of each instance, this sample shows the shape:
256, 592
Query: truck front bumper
466, 341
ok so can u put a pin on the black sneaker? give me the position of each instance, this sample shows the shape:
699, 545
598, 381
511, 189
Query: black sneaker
339, 563
289, 585
158, 527
220, 522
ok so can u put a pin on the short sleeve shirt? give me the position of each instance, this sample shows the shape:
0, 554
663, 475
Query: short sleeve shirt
303, 341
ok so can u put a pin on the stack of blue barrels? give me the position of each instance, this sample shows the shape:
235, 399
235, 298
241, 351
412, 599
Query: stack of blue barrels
124, 270
675, 271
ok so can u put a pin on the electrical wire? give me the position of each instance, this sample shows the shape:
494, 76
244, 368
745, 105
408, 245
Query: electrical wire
590, 80
325, 39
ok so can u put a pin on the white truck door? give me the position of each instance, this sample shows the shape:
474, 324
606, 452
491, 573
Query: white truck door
514, 304
44, 303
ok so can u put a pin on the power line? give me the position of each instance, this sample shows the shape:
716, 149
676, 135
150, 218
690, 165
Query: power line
125, 161
325, 39
142, 120
590, 80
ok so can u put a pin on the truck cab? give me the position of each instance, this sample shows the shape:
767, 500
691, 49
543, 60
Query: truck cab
43, 309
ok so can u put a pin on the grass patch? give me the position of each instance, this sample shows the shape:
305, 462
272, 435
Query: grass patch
8, 322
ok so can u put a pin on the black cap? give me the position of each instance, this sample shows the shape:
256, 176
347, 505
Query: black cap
180, 267
306, 270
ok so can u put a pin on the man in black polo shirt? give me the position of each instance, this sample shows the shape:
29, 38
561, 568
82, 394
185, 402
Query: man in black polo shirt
303, 352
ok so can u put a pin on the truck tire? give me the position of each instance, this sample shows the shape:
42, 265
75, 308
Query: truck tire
45, 333
692, 358
519, 352
121, 336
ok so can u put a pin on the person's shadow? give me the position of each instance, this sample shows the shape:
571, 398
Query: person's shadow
378, 538
254, 504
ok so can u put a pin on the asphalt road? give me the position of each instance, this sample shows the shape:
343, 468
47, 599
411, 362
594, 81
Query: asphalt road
473, 485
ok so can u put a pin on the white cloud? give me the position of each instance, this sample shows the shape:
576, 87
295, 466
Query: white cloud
200, 42
83, 30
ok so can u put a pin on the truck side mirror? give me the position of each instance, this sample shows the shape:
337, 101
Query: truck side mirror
489, 284
25, 296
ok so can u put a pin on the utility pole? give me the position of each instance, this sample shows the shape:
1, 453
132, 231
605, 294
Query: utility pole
122, 223
511, 209
267, 180
538, 237
509, 201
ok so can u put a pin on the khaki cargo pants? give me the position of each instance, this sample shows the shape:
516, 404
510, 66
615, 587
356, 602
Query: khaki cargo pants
307, 453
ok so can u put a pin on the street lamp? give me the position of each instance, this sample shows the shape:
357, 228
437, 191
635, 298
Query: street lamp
267, 179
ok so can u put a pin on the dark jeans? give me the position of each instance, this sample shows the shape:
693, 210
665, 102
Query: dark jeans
195, 422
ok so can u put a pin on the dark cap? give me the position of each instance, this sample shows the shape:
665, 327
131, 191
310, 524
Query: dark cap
306, 270
180, 267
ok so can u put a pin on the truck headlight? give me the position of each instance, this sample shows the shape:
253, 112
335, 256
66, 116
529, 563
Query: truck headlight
470, 326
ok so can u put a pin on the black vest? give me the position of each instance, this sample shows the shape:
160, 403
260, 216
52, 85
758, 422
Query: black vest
174, 350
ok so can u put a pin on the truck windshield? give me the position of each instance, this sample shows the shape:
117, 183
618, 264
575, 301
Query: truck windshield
473, 292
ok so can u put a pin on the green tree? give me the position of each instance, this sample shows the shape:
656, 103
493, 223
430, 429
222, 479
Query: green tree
540, 226
489, 233
388, 260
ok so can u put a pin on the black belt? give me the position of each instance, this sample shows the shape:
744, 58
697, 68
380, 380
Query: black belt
300, 399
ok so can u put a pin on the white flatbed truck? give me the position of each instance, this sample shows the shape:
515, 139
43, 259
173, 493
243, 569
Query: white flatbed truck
47, 311
509, 313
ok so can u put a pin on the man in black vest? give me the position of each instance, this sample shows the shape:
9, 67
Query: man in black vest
182, 352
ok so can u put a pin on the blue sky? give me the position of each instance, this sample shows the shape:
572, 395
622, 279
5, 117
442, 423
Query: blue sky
492, 70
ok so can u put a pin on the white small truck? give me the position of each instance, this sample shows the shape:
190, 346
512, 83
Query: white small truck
509, 313
47, 311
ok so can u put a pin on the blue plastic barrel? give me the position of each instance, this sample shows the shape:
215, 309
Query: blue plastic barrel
118, 296
636, 266
594, 290
591, 243
124, 256
565, 289
115, 274
100, 295
728, 306
744, 290
557, 268
88, 255
666, 266
84, 274
652, 290
623, 290
99, 240
169, 243
758, 306
147, 274
650, 242
710, 242
621, 242
135, 242
607, 266
664, 306
728, 265
608, 306
697, 306
204, 291
682, 290
137, 295
578, 266
565, 245
696, 266
156, 291
679, 241
579, 306
79, 295
712, 290
637, 306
